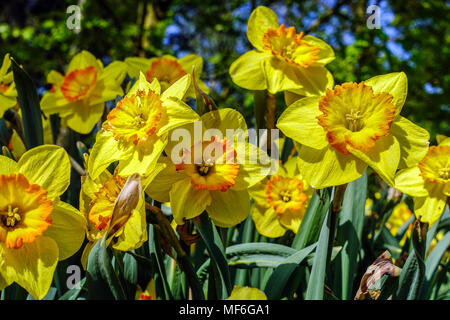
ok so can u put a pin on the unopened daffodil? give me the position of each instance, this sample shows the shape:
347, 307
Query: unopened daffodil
351, 127
280, 201
428, 182
167, 70
283, 59
213, 173
8, 93
136, 131
36, 228
79, 96
114, 207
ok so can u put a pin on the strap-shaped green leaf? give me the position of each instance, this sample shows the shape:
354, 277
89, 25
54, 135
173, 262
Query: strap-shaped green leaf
102, 280
29, 104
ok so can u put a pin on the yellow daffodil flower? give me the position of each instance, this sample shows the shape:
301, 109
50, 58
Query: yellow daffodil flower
36, 228
428, 182
354, 126
79, 96
148, 294
168, 70
135, 132
98, 203
215, 183
283, 59
246, 293
8, 93
280, 201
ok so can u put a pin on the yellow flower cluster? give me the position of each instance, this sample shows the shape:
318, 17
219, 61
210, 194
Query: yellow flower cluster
338, 130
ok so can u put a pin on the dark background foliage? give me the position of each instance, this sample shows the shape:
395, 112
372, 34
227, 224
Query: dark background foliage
414, 37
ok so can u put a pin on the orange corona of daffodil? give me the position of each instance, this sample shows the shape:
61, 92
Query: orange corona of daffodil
8, 93
283, 59
354, 126
36, 228
428, 182
79, 96
168, 69
148, 294
135, 132
280, 201
215, 182
98, 202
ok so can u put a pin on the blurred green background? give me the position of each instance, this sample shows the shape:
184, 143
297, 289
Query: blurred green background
414, 37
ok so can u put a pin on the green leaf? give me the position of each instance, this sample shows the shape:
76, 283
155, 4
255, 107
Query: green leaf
155, 254
413, 272
282, 273
247, 235
29, 103
315, 289
75, 292
259, 108
102, 280
309, 229
432, 263
216, 252
351, 223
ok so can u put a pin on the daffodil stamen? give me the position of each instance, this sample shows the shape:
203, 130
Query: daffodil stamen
79, 83
12, 217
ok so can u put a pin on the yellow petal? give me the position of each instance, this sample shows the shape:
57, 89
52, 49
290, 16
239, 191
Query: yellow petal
187, 202
49, 167
299, 122
178, 89
267, 221
411, 182
6, 103
115, 71
261, 19
105, 151
54, 77
430, 208
228, 208
178, 114
160, 187
253, 168
247, 293
8, 165
326, 53
68, 229
413, 140
384, 157
396, 84
443, 140
224, 119
32, 266
82, 60
84, 119
135, 65
142, 161
327, 167
247, 71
